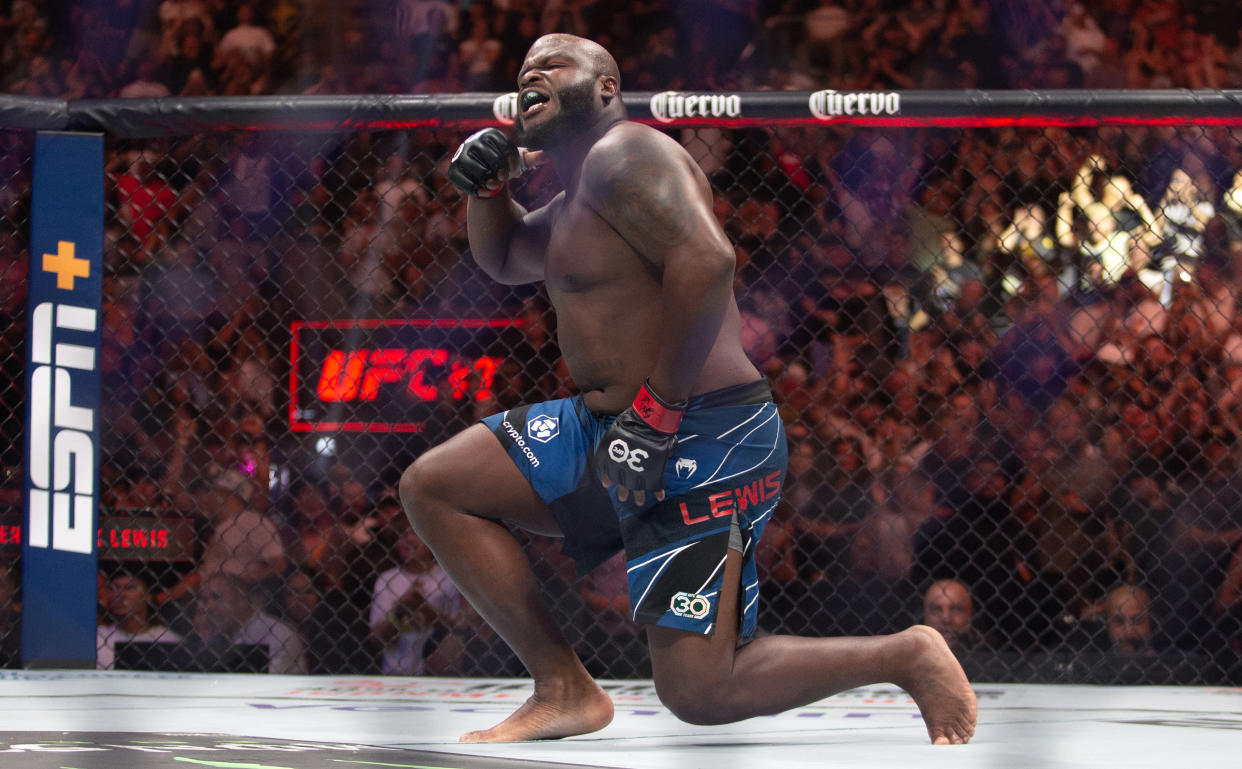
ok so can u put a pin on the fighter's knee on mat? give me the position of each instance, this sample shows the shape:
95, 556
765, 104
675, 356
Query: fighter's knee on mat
692, 699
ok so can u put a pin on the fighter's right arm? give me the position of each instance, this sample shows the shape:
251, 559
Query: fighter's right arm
507, 241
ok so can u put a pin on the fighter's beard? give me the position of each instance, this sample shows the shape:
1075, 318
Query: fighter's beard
575, 107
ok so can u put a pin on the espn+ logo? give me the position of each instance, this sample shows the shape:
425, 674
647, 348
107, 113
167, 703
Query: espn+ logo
62, 447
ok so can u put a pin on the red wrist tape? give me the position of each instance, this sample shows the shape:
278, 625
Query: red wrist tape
494, 193
656, 412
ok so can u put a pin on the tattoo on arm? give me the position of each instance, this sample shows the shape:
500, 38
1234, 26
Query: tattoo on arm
646, 202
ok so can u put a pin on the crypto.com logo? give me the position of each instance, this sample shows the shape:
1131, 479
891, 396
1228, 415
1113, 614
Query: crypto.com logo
543, 428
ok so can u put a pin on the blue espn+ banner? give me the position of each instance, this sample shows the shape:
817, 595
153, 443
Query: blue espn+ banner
59, 558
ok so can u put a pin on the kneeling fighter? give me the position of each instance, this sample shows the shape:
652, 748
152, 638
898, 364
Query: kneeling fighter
673, 451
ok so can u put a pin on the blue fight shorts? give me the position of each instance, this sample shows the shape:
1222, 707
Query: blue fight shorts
724, 479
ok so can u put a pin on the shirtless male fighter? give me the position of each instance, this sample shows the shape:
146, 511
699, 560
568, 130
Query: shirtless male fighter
673, 451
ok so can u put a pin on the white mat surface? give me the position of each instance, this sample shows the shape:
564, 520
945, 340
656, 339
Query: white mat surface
1040, 727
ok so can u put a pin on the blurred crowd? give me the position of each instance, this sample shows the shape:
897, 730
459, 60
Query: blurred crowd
1011, 356
1009, 360
153, 48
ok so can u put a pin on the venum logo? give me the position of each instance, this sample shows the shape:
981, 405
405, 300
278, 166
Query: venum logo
690, 605
685, 467
62, 449
543, 428
505, 108
668, 106
827, 105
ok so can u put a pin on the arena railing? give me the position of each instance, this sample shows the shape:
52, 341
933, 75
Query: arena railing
1001, 326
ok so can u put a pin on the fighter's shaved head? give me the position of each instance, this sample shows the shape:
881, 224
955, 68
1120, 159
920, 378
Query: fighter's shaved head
602, 62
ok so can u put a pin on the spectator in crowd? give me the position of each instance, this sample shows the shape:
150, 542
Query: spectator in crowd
174, 287
248, 42
229, 618
949, 608
14, 267
10, 617
334, 629
1186, 208
882, 554
175, 16
397, 186
244, 545
372, 548
1209, 522
533, 344
327, 81
479, 54
317, 524
1084, 40
763, 327
1030, 460
1207, 530
413, 609
825, 524
248, 385
146, 83
823, 44
605, 594
196, 84
146, 205
421, 26
191, 58
41, 79
1127, 610
1078, 551
982, 544
783, 600
28, 39
248, 186
954, 447
129, 604
1145, 513
1108, 250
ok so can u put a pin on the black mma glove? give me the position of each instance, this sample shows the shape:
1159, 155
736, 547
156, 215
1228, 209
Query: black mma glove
481, 158
638, 445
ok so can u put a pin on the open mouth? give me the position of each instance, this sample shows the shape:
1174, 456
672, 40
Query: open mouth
531, 99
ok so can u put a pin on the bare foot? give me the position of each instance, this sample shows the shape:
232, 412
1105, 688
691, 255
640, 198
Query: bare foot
552, 712
932, 675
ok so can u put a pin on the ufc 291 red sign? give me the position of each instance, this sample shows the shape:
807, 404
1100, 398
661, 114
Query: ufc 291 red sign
358, 374
378, 375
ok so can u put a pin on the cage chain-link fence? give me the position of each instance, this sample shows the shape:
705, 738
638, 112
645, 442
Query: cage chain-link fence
1008, 360
16, 154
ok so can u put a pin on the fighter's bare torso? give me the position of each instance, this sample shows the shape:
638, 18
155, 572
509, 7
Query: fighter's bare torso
607, 294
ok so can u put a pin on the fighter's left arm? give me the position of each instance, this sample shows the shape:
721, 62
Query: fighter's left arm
650, 191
